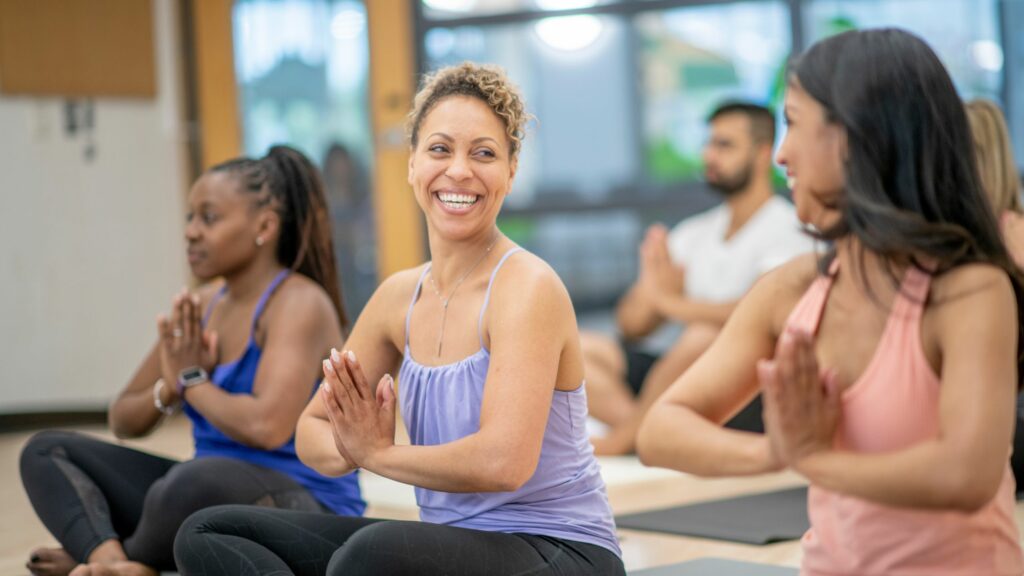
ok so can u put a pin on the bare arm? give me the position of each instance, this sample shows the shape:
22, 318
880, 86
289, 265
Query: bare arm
680, 308
636, 314
132, 414
963, 467
373, 339
683, 430
301, 327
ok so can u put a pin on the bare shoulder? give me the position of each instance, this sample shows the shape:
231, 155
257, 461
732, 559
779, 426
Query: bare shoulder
527, 284
384, 314
301, 300
782, 287
970, 285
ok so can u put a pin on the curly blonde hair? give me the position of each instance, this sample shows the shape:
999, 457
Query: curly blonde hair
485, 82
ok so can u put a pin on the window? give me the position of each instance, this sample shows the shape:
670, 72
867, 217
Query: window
302, 69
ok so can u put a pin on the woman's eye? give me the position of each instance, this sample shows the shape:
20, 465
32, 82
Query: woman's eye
438, 148
209, 218
486, 153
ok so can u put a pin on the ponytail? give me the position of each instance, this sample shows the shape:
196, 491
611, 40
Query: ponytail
293, 184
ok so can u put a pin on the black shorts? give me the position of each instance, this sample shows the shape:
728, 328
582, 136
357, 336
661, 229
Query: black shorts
639, 364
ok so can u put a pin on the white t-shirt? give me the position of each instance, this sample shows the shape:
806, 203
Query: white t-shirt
720, 270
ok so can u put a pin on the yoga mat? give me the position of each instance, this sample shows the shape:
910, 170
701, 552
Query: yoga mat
757, 519
717, 567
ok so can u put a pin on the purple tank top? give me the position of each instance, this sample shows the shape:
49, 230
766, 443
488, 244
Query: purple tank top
565, 497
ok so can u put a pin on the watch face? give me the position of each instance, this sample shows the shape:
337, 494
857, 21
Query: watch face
192, 374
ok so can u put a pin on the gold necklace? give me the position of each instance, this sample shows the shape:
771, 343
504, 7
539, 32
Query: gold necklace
446, 301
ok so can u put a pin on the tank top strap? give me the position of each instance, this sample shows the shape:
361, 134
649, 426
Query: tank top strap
806, 316
487, 295
266, 296
913, 293
412, 301
213, 302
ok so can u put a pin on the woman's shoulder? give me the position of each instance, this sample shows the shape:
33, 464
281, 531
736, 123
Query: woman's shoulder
526, 281
975, 281
303, 299
790, 279
399, 286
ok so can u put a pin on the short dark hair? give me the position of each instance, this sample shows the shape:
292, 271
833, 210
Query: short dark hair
762, 119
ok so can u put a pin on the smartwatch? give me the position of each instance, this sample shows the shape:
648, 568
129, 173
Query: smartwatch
189, 377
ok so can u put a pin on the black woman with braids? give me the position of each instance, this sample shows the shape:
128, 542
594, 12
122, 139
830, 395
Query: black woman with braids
240, 356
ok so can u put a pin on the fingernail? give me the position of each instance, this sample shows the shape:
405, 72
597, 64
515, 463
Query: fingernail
351, 356
391, 382
328, 368
327, 387
335, 356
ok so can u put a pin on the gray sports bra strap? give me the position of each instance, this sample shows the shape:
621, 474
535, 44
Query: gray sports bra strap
487, 296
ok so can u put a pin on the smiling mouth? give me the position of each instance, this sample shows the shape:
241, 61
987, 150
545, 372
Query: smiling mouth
457, 201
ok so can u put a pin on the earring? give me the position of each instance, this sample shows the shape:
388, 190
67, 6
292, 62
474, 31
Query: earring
259, 241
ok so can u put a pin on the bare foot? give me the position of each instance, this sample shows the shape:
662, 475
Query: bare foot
118, 568
50, 562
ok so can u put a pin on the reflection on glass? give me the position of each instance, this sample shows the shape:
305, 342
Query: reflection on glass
569, 33
302, 70
964, 33
694, 58
448, 9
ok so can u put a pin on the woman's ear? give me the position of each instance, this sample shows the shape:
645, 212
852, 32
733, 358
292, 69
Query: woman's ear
268, 225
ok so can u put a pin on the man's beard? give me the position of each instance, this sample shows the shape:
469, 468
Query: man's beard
728, 186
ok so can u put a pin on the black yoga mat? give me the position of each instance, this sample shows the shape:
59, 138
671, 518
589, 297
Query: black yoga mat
757, 519
717, 567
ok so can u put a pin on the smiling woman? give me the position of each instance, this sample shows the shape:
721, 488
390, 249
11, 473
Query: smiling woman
505, 477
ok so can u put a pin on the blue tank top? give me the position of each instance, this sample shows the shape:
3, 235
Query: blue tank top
340, 495
565, 497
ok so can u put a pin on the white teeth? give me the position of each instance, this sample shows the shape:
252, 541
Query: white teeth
460, 199
791, 182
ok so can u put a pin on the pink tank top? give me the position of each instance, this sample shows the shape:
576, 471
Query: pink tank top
894, 405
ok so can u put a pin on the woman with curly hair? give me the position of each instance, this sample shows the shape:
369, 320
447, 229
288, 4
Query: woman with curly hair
490, 377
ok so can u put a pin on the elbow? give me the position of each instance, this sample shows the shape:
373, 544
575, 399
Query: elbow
267, 436
968, 493
506, 475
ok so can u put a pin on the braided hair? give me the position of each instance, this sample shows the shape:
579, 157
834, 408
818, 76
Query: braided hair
286, 180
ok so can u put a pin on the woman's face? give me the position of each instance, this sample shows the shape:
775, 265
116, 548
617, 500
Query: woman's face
462, 168
222, 226
813, 152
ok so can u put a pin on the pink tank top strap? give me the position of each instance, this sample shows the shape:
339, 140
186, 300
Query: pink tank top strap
806, 315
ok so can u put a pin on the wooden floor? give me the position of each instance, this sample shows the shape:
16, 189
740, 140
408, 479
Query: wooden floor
631, 487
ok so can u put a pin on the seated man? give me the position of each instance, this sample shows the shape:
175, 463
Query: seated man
694, 275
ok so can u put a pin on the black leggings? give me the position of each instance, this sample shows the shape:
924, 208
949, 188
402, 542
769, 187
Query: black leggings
87, 491
237, 540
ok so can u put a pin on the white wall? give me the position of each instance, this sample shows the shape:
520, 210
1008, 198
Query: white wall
90, 251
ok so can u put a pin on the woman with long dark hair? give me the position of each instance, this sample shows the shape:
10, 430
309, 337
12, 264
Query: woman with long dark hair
889, 365
241, 356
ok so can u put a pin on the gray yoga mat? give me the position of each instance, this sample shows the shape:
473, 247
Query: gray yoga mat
717, 567
757, 519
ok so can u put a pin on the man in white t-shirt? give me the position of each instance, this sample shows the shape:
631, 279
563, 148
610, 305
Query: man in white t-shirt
694, 275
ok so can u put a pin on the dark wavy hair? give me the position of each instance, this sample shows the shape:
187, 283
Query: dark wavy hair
286, 180
913, 193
